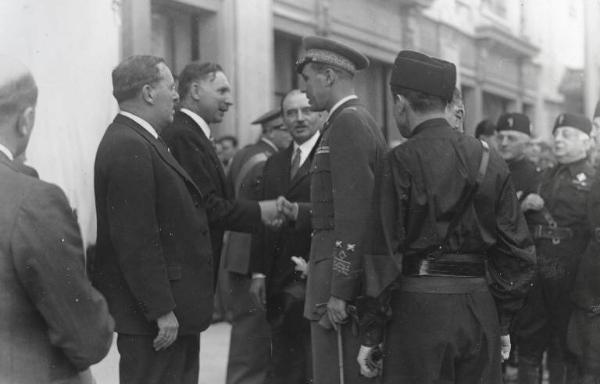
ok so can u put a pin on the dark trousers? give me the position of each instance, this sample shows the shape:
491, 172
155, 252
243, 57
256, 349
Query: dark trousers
326, 361
141, 364
543, 320
290, 340
250, 344
443, 338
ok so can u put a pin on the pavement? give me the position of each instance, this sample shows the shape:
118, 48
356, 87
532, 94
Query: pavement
214, 349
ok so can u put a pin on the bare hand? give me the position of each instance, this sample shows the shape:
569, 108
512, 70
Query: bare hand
505, 347
533, 202
363, 359
336, 310
290, 210
168, 326
301, 265
270, 214
258, 292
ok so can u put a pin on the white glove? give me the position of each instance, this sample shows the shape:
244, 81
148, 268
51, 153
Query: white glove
365, 362
505, 347
301, 265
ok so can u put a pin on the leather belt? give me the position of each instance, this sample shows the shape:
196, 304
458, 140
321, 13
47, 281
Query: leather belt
444, 264
556, 234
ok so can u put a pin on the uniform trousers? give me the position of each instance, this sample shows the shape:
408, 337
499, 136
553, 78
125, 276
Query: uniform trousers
583, 339
250, 344
141, 364
326, 361
446, 337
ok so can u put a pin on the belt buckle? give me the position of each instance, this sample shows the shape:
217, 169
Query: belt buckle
555, 240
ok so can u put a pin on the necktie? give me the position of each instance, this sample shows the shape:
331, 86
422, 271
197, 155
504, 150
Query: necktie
295, 163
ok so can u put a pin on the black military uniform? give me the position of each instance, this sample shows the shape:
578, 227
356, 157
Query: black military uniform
561, 234
583, 335
449, 216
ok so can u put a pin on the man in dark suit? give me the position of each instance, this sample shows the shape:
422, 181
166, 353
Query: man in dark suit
350, 152
206, 96
154, 258
249, 346
53, 323
287, 173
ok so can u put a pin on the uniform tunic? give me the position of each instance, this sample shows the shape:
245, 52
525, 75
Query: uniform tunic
565, 190
526, 179
342, 180
446, 329
583, 335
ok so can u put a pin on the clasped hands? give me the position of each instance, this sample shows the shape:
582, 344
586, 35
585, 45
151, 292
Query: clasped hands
276, 212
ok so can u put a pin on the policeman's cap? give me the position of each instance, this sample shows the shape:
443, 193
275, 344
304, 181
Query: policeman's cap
571, 120
514, 122
326, 51
269, 116
419, 72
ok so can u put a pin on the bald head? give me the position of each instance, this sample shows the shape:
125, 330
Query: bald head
18, 90
18, 96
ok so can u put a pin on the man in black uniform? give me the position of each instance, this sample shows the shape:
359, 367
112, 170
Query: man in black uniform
561, 234
449, 216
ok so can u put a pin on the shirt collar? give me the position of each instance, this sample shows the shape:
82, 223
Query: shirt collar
340, 102
7, 152
308, 145
198, 120
143, 123
435, 127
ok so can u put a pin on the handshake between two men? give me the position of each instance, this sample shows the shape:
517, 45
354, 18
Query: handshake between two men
276, 212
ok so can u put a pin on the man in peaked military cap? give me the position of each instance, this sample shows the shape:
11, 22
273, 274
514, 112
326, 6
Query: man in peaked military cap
561, 234
344, 165
447, 217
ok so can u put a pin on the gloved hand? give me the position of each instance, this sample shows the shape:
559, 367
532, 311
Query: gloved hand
370, 360
505, 347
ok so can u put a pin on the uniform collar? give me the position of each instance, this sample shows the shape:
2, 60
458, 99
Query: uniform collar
269, 143
340, 102
143, 123
198, 120
433, 127
577, 167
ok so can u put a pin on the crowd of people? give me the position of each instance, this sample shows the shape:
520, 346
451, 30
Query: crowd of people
336, 259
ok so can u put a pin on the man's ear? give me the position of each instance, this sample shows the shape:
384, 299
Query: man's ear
148, 94
195, 90
330, 76
26, 121
400, 103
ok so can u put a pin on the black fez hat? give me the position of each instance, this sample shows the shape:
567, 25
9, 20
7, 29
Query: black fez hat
485, 127
514, 122
576, 121
419, 72
597, 110
326, 51
266, 117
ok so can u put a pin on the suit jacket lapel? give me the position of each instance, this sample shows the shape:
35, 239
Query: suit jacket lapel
208, 148
161, 149
304, 169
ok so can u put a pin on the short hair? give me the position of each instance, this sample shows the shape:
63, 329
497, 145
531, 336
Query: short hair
195, 71
322, 67
485, 127
130, 76
285, 96
233, 140
17, 95
419, 101
456, 96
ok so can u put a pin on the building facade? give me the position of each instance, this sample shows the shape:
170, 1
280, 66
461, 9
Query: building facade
526, 56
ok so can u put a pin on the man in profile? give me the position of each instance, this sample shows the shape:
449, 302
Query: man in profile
53, 323
154, 258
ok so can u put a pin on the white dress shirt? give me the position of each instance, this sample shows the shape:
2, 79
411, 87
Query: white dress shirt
146, 125
7, 152
306, 148
198, 120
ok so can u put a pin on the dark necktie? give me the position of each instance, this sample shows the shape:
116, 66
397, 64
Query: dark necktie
295, 163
